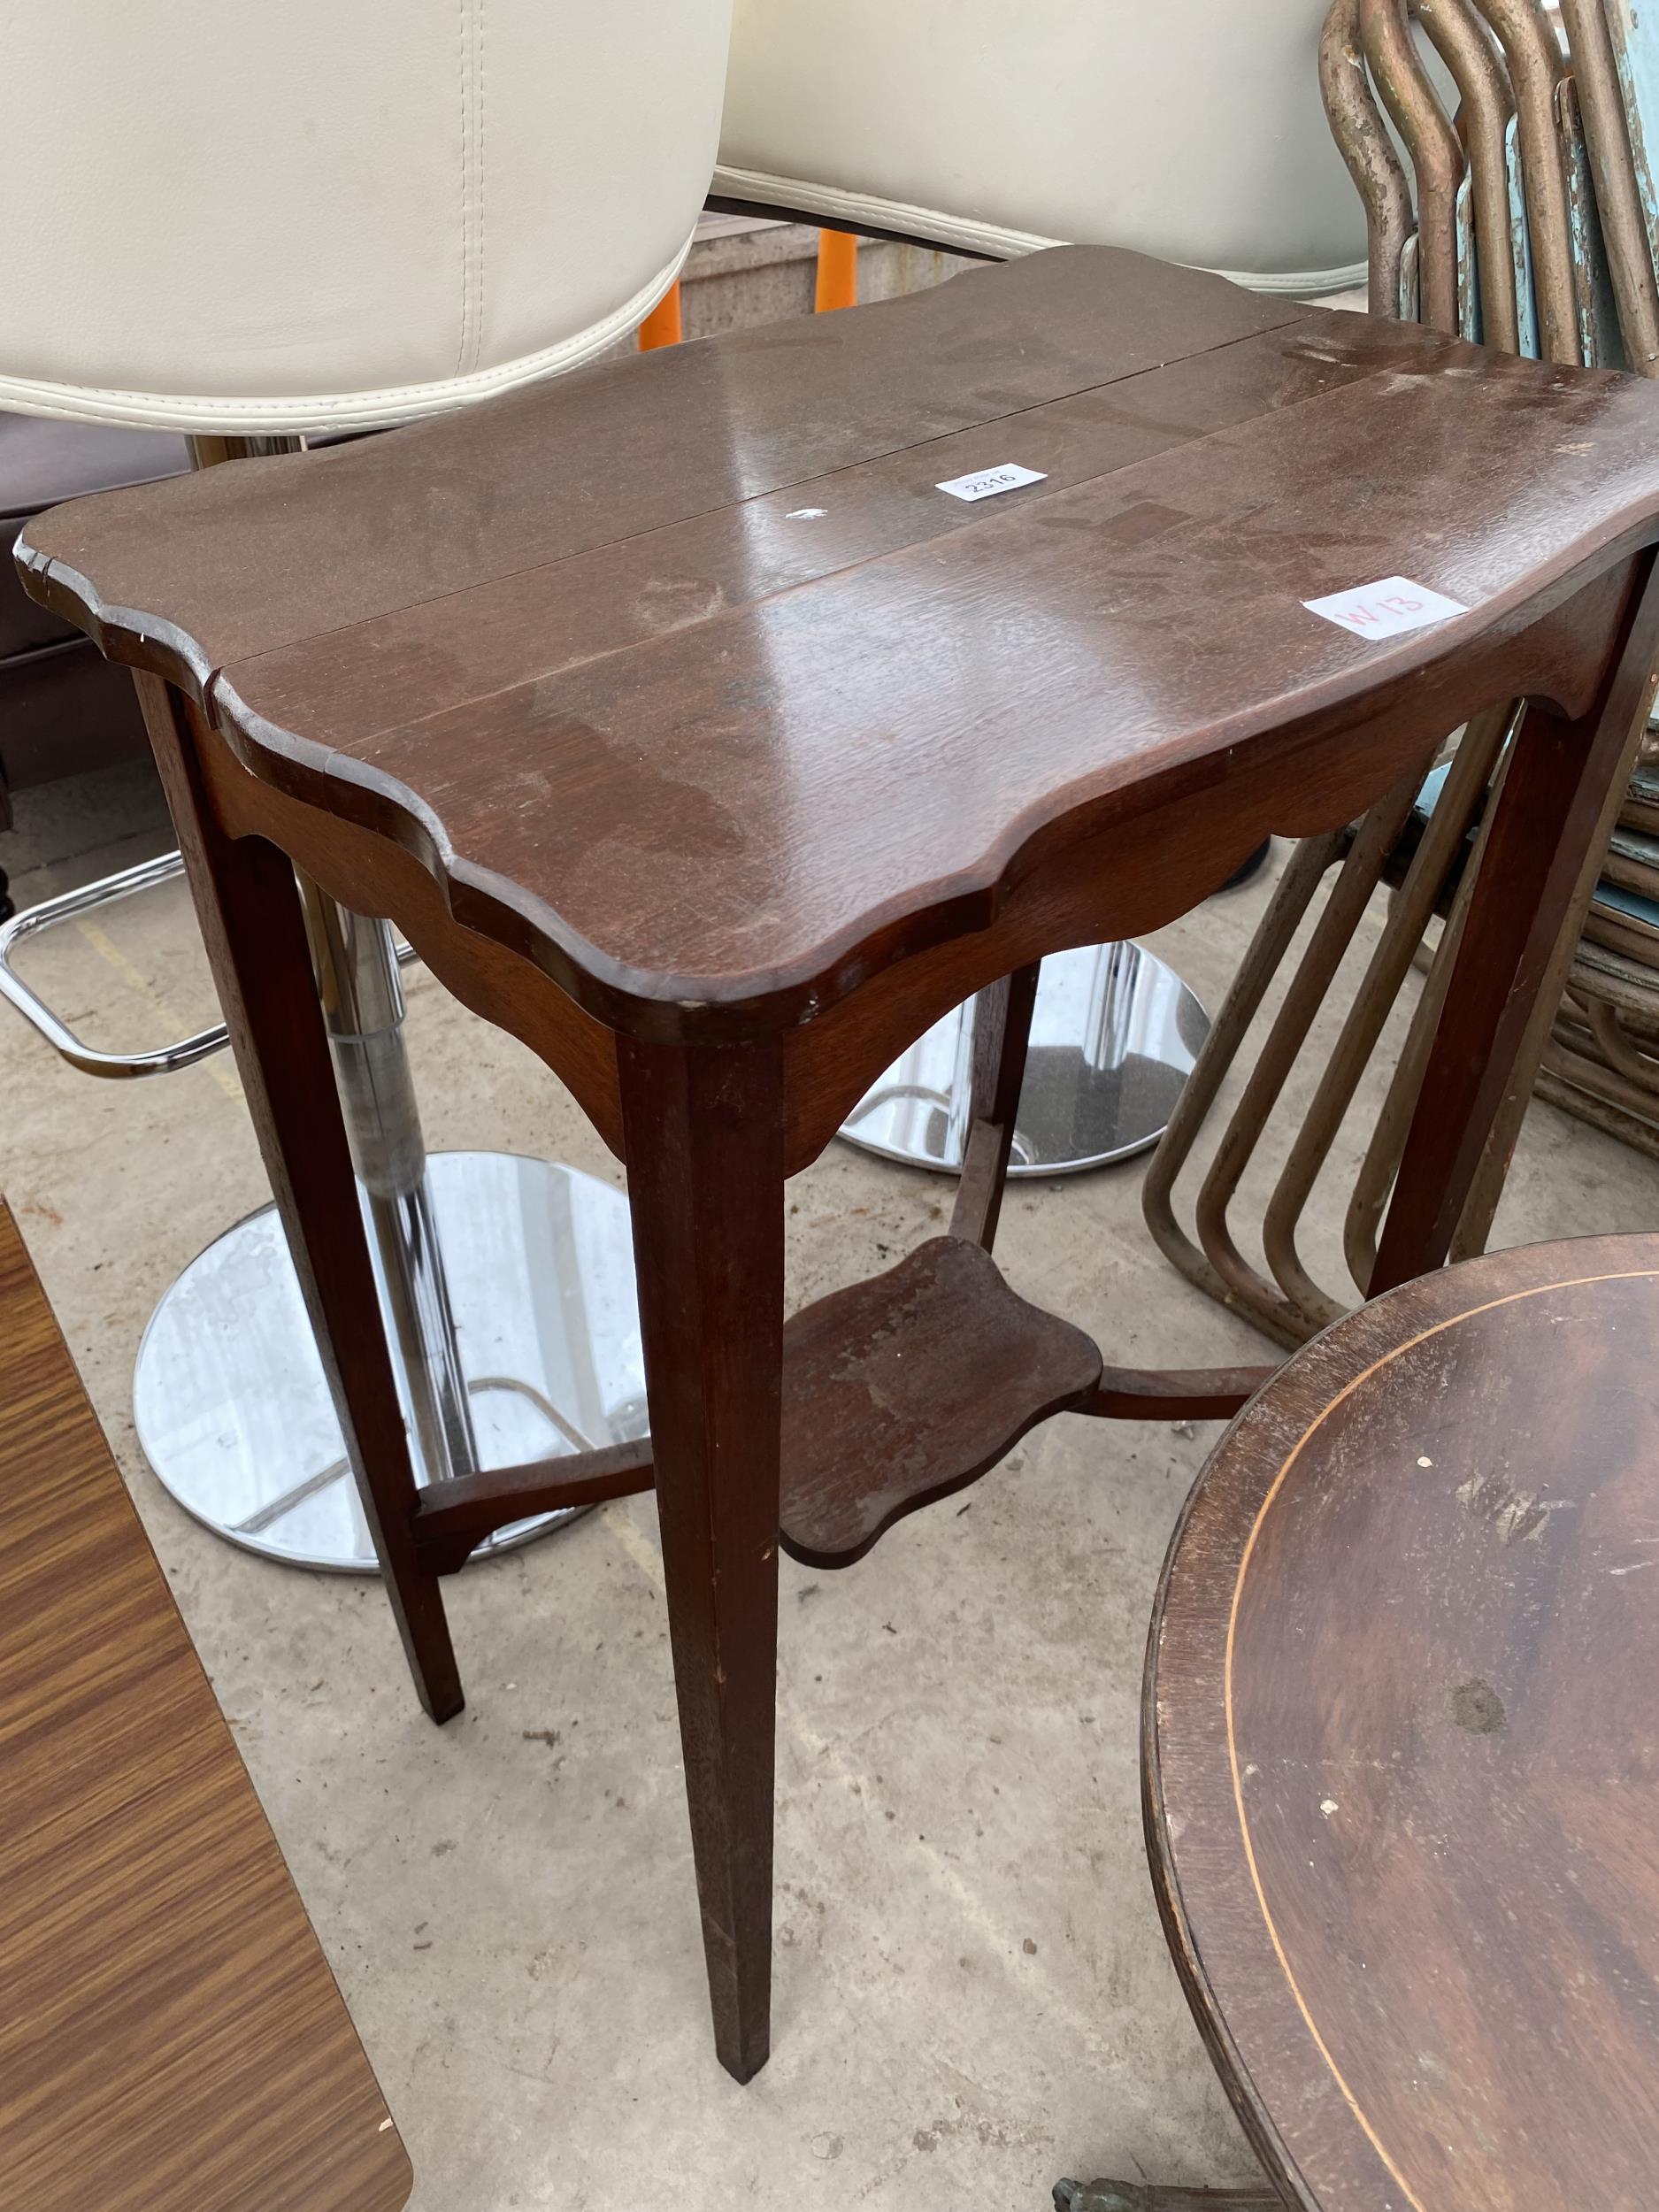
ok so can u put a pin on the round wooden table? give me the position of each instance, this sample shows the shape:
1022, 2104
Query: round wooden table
1401, 1747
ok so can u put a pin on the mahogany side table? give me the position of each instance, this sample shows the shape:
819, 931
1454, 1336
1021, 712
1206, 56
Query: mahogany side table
695, 735
1401, 1757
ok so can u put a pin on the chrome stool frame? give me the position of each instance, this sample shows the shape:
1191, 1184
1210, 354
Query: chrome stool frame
1114, 1036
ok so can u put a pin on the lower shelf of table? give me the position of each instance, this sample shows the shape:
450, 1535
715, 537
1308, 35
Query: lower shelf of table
896, 1392
903, 1388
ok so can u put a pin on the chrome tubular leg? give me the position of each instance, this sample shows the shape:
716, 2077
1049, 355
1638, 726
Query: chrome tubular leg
362, 1011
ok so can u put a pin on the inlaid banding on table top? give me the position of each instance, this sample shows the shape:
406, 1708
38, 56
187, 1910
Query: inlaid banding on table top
618, 728
1404, 1655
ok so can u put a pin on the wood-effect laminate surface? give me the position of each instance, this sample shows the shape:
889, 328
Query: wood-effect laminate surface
1403, 1756
171, 2036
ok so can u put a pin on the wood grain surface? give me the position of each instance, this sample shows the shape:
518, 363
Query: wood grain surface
1402, 1746
901, 1389
689, 683
171, 2036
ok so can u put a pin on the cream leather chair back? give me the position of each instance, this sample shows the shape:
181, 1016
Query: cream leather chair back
322, 214
1191, 129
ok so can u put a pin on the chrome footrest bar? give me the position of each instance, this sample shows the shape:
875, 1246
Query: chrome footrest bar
167, 1059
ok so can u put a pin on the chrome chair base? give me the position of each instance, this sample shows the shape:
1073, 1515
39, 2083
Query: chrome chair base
234, 1413
1113, 1041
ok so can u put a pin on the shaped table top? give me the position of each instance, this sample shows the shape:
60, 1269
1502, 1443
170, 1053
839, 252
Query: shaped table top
682, 675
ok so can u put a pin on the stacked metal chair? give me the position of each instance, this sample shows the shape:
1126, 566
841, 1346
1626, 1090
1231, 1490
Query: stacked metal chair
1525, 220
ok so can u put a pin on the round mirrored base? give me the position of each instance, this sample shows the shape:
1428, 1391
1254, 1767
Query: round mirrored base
1113, 1039
235, 1418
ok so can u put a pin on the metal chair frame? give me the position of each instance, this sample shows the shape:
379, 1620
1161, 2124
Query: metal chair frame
1527, 169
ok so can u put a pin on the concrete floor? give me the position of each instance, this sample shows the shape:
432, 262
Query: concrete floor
973, 1996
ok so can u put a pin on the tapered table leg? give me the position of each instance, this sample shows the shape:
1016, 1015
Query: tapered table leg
248, 906
1556, 811
703, 1129
1001, 1031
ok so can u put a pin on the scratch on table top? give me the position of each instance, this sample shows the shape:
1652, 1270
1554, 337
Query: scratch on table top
1519, 1516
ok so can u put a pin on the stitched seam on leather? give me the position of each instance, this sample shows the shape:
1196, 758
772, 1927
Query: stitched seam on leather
958, 234
466, 180
471, 187
478, 196
325, 409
